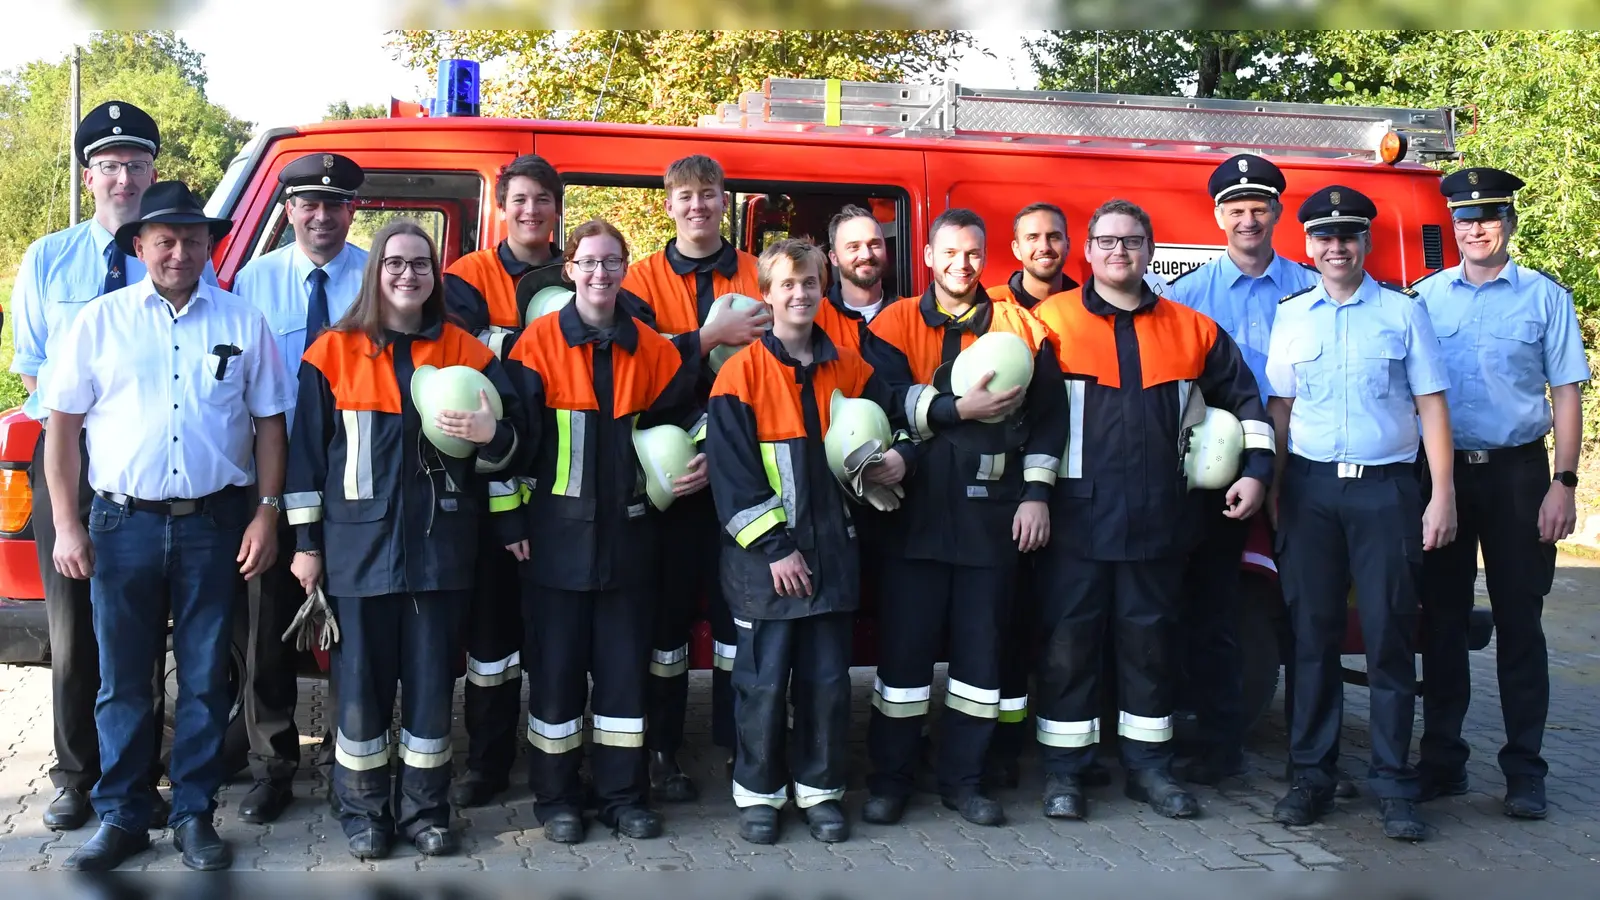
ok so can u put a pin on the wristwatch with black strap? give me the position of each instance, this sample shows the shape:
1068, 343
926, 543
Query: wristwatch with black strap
1570, 479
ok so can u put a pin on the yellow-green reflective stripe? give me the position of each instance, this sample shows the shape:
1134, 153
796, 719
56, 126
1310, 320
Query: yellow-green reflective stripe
504, 503
761, 525
563, 451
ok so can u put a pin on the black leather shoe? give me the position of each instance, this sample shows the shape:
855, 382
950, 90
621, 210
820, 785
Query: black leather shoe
759, 824
881, 810
667, 781
109, 848
1063, 797
1525, 797
475, 788
1213, 768
1095, 774
828, 821
68, 811
1303, 805
265, 802
436, 841
639, 822
564, 828
1400, 820
370, 844
976, 808
1001, 773
1435, 783
1159, 789
203, 849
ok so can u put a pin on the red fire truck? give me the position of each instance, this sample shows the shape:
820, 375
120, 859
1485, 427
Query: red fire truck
796, 151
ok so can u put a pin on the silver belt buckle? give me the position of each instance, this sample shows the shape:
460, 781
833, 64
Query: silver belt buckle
1350, 470
1476, 457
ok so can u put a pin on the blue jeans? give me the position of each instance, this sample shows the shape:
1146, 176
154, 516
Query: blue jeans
148, 566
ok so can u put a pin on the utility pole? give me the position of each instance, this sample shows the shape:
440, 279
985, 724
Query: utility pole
72, 128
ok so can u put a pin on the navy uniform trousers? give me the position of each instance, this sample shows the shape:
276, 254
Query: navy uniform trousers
492, 697
921, 598
1012, 732
808, 658
1213, 671
1081, 602
1498, 494
689, 571
409, 641
571, 636
1363, 528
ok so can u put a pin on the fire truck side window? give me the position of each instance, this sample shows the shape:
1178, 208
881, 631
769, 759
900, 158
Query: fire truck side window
758, 214
445, 204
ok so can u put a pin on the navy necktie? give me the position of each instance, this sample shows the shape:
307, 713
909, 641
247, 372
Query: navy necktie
116, 269
317, 309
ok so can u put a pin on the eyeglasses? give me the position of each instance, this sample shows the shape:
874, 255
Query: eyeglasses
1110, 241
395, 265
611, 264
1488, 224
110, 167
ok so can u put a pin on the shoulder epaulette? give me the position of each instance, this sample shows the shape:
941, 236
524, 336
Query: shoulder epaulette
1549, 276
1187, 273
1306, 265
1298, 293
1399, 289
1426, 277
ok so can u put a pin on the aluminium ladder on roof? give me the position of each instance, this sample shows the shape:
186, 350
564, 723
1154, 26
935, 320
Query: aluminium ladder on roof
951, 110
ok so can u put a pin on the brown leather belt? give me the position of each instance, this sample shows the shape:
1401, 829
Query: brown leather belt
167, 507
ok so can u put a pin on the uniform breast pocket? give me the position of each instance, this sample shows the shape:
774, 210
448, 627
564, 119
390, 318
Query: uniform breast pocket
60, 312
1512, 339
290, 337
1383, 366
1304, 354
220, 379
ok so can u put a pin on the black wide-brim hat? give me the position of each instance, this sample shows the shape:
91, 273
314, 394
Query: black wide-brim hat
170, 203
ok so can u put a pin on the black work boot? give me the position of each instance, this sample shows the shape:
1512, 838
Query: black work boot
1063, 797
475, 788
668, 783
976, 808
1158, 788
639, 822
1303, 805
564, 828
1400, 820
828, 821
1525, 797
759, 824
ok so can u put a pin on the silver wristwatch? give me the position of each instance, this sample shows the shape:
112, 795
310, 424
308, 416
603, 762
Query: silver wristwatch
275, 502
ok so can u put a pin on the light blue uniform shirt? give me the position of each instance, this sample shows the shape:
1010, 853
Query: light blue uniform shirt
60, 273
279, 284
1354, 371
1245, 307
1503, 341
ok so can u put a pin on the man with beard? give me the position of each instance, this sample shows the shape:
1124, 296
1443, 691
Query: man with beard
1507, 332
976, 497
60, 275
1038, 241
861, 258
301, 289
1240, 290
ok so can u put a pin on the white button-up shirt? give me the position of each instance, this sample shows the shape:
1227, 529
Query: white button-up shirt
161, 424
279, 284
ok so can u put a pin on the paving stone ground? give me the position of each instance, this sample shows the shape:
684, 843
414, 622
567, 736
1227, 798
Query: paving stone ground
1234, 832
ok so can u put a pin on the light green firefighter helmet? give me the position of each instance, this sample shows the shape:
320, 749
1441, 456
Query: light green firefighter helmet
547, 300
1000, 352
664, 453
858, 435
453, 388
727, 301
1215, 447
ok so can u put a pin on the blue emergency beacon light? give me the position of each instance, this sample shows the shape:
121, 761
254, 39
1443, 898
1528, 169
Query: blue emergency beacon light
458, 88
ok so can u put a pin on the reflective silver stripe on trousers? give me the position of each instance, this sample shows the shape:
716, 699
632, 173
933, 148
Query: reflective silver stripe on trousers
615, 732
723, 655
900, 703
424, 753
357, 454
1152, 729
669, 663
361, 756
1072, 462
974, 701
743, 797
806, 796
494, 672
1068, 734
559, 737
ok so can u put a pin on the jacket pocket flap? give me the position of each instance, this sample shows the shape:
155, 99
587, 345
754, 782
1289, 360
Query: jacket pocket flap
337, 510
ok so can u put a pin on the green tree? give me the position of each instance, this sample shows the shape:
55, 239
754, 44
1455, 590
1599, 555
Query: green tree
155, 70
343, 110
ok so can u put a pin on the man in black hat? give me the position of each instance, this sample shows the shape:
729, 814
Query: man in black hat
1351, 368
177, 421
301, 289
1507, 332
1240, 290
61, 273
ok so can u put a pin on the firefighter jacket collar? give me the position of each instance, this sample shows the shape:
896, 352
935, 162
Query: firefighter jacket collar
975, 320
822, 349
576, 331
516, 268
1029, 301
432, 328
725, 262
836, 297
1099, 307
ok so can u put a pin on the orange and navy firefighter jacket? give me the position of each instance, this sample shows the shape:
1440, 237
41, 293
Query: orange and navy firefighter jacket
392, 514
1122, 494
770, 478
1014, 291
846, 326
582, 504
964, 479
679, 291
480, 291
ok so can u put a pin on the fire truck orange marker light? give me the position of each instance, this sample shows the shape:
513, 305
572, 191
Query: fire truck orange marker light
16, 499
1392, 148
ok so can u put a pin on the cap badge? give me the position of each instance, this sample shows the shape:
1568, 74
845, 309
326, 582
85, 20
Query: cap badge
1472, 178
117, 130
1474, 195
1244, 165
327, 160
1334, 199
326, 180
1244, 181
115, 111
